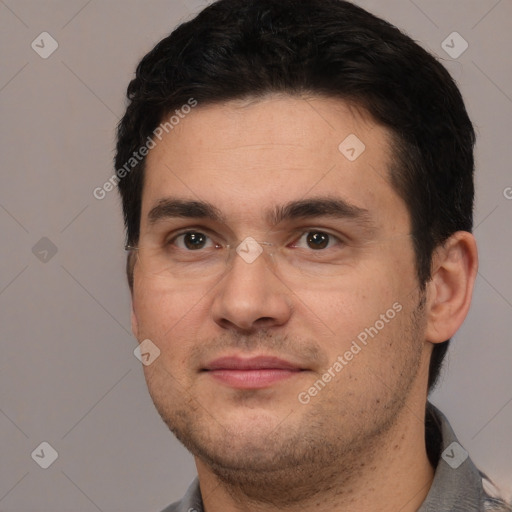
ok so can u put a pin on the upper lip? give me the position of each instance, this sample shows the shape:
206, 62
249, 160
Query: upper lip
252, 363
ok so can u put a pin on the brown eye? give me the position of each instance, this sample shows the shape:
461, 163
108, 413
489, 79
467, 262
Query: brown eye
317, 240
192, 241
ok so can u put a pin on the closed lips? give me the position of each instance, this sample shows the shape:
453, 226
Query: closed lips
255, 363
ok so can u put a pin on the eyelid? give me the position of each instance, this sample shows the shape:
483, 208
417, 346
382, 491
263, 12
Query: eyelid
299, 233
171, 238
292, 237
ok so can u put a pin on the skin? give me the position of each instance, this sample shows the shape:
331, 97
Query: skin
359, 443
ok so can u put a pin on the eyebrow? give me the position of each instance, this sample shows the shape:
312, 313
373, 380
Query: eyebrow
302, 209
320, 207
179, 208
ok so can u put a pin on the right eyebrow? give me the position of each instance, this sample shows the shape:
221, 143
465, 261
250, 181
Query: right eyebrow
168, 208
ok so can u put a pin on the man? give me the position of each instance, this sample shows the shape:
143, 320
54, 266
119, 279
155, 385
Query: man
297, 185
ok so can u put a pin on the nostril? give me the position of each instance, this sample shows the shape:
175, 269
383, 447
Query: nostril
265, 321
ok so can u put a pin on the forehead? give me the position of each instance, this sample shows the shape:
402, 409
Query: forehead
245, 156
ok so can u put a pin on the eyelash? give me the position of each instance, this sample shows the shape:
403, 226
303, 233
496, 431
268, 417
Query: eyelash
301, 233
173, 239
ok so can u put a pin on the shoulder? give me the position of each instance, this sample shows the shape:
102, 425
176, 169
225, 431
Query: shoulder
191, 502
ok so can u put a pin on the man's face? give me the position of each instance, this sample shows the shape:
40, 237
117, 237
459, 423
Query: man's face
338, 279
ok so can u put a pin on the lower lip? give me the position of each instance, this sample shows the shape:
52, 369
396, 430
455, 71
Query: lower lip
252, 379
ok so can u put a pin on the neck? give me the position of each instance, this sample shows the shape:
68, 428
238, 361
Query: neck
393, 473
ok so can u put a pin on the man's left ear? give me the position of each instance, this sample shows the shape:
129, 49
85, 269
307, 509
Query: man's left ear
449, 292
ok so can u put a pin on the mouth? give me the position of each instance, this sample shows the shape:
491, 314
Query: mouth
252, 373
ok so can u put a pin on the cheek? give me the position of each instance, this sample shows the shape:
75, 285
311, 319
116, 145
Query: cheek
367, 307
164, 313
171, 320
353, 302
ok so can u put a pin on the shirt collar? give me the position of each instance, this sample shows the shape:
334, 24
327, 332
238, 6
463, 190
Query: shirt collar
457, 484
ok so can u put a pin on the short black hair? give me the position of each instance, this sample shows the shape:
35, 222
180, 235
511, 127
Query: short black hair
240, 49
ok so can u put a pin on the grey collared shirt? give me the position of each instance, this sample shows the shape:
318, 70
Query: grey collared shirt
457, 484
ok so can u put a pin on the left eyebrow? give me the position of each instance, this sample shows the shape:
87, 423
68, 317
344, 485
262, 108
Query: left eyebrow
321, 207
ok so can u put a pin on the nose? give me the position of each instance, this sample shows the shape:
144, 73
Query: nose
251, 296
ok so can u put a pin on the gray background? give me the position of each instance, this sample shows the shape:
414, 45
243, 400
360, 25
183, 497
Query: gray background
68, 375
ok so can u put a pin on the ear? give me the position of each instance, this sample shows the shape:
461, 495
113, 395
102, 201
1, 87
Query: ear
449, 292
